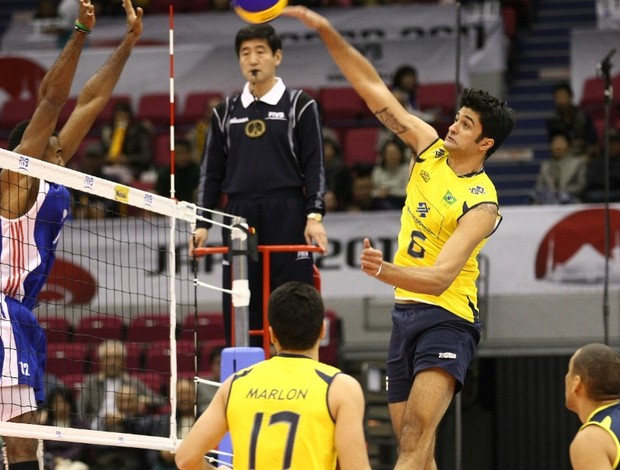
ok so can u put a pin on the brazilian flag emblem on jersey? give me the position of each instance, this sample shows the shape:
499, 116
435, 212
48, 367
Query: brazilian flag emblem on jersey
449, 198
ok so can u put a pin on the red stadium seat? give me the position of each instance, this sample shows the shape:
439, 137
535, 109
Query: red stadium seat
330, 345
593, 97
68, 358
360, 145
195, 105
209, 326
57, 329
73, 382
154, 107
147, 328
340, 105
157, 359
134, 358
155, 381
98, 327
161, 150
438, 95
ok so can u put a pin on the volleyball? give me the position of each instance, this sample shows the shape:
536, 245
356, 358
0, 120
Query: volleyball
258, 11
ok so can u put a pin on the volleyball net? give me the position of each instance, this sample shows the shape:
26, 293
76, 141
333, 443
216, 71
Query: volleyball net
122, 313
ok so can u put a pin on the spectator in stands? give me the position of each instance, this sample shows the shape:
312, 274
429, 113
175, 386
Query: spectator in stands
405, 84
595, 172
60, 410
337, 175
390, 175
562, 178
128, 144
198, 134
130, 416
185, 417
186, 170
570, 119
362, 198
87, 205
97, 399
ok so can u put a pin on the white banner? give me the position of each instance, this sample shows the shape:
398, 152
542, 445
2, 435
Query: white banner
547, 249
420, 35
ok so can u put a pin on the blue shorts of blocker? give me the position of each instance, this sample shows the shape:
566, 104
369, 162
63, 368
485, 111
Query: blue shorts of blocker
426, 336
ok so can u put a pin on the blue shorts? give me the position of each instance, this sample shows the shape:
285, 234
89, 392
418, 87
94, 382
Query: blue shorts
23, 347
426, 336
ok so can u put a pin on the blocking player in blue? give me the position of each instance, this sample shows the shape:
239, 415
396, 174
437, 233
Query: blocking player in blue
32, 214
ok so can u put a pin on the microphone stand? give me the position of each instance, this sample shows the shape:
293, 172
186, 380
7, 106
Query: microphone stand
604, 71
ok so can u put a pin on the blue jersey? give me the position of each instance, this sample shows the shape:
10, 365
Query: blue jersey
26, 258
29, 243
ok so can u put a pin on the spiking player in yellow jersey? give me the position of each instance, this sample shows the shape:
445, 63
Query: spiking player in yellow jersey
291, 411
450, 210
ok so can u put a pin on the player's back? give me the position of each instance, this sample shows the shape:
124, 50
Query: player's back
278, 416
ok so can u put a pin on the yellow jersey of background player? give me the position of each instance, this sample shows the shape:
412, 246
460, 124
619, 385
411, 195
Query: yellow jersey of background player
278, 415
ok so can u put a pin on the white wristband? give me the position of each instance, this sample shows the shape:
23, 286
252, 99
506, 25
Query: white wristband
379, 270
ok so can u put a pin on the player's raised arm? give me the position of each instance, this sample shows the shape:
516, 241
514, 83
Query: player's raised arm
99, 87
364, 78
56, 86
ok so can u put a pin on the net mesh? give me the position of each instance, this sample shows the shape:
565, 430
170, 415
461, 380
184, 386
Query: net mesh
120, 314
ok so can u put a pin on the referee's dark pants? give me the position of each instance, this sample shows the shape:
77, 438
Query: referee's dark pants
279, 219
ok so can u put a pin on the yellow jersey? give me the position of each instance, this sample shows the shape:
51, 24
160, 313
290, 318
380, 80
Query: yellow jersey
278, 415
436, 199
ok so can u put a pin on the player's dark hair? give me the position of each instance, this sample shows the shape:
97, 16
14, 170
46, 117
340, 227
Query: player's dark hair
598, 365
496, 118
296, 314
258, 31
16, 135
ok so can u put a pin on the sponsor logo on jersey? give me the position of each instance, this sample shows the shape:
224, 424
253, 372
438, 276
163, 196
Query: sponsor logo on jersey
477, 190
447, 355
425, 176
422, 209
238, 120
440, 153
276, 116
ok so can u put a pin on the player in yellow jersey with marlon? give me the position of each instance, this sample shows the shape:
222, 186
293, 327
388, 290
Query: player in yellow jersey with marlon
291, 411
450, 210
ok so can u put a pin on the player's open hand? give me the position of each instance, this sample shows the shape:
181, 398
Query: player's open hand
134, 19
87, 14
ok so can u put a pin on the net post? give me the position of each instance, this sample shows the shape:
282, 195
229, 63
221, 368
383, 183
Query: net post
240, 285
